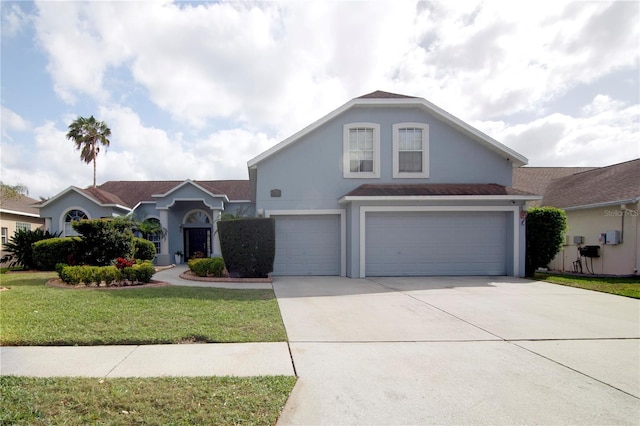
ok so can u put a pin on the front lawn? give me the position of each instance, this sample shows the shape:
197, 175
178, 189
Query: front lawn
629, 287
133, 401
34, 314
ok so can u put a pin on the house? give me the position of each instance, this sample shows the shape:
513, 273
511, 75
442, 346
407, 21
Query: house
390, 184
386, 184
17, 213
187, 210
602, 208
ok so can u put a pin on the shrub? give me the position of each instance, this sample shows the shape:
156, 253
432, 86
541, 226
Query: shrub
208, 267
139, 272
110, 275
248, 246
19, 248
545, 234
103, 240
47, 253
143, 249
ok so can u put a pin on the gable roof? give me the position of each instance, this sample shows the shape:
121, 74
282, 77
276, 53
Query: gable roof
536, 179
431, 190
615, 184
380, 98
21, 205
128, 194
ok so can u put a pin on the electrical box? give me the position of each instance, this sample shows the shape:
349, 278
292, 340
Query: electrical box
589, 251
578, 239
612, 237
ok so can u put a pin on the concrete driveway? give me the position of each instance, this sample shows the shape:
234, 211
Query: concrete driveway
472, 350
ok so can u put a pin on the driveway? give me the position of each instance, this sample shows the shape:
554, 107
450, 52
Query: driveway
463, 350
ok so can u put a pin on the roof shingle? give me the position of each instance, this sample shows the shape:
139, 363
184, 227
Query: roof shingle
618, 182
434, 189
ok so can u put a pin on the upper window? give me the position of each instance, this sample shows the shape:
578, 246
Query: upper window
361, 150
410, 150
197, 216
71, 216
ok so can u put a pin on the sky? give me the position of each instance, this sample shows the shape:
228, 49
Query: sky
193, 90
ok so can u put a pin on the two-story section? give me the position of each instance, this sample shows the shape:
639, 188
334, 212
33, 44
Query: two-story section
391, 185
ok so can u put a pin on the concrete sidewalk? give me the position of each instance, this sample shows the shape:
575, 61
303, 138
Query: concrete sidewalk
216, 359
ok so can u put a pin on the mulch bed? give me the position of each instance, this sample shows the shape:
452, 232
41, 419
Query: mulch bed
188, 275
57, 282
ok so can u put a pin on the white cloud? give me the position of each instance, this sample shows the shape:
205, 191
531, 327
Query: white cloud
11, 121
606, 133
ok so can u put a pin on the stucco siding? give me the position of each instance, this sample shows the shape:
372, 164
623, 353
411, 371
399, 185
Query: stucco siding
309, 172
618, 259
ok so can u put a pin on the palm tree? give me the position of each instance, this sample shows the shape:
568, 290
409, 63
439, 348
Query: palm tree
88, 134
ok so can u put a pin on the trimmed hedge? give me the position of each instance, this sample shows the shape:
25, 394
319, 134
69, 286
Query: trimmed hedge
248, 246
207, 267
48, 253
545, 235
143, 249
139, 273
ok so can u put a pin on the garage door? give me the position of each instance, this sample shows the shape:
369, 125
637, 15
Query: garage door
435, 243
307, 245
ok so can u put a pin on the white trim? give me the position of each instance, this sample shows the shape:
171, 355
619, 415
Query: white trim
350, 198
187, 214
320, 212
504, 151
346, 160
396, 150
603, 204
514, 209
19, 213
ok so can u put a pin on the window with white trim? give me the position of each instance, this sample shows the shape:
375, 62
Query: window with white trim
5, 235
410, 150
23, 226
361, 142
72, 216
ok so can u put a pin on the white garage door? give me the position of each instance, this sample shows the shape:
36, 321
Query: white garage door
307, 245
435, 243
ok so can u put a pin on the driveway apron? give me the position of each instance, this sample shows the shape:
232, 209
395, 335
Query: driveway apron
459, 350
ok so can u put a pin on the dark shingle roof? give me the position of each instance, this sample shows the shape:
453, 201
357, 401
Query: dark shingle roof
618, 182
133, 192
537, 179
434, 189
379, 94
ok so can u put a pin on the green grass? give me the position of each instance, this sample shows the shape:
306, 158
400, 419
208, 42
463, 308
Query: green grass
629, 287
158, 401
34, 314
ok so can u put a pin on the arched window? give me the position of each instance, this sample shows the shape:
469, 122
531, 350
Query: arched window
155, 237
197, 217
71, 216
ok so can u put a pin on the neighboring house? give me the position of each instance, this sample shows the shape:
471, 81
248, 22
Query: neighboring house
602, 207
536, 179
15, 214
392, 185
186, 210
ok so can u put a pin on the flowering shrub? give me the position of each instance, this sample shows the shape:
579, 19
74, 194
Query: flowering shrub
122, 263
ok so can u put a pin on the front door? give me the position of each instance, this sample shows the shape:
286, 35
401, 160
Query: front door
197, 242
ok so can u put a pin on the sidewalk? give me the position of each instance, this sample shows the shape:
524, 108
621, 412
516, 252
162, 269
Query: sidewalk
211, 359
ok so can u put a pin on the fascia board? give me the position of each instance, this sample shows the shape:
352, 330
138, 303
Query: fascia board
348, 199
518, 160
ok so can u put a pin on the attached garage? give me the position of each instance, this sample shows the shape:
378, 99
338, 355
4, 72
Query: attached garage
308, 245
436, 243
